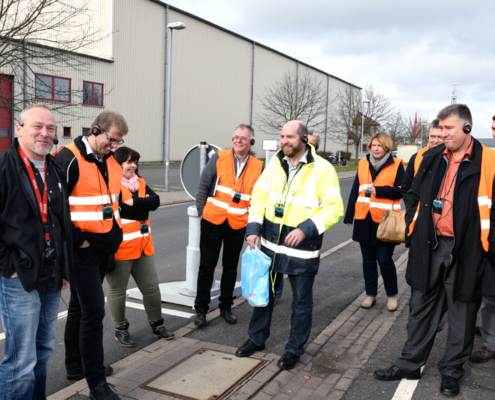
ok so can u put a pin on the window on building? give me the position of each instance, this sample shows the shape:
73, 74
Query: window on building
85, 131
67, 131
52, 88
93, 94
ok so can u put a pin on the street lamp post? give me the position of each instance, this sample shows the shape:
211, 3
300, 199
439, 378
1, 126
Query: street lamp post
362, 127
171, 26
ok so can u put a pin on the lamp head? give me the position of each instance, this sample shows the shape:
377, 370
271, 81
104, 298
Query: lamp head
177, 25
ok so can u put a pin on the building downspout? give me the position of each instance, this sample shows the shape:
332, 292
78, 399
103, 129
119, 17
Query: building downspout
326, 115
297, 92
252, 85
24, 75
165, 88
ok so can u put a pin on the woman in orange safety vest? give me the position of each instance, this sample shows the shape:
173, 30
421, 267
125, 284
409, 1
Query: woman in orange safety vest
135, 255
375, 190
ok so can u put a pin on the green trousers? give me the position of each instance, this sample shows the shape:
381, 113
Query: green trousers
144, 273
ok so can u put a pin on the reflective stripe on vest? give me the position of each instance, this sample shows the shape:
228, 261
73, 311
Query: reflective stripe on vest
417, 163
135, 243
373, 204
288, 251
91, 194
221, 206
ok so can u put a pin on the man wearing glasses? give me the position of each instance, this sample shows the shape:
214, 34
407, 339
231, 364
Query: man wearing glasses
223, 199
93, 185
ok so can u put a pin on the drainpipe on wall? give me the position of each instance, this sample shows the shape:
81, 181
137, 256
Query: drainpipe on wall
165, 88
24, 75
252, 85
297, 88
326, 115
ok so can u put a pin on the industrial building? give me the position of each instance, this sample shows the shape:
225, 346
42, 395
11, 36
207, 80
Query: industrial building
218, 78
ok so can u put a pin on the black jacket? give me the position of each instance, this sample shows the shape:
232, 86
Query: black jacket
106, 243
365, 229
22, 242
474, 276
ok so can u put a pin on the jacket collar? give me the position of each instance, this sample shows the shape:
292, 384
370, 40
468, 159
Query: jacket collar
88, 157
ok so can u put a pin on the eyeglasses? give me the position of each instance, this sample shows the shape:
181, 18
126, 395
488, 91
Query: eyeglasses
114, 141
241, 139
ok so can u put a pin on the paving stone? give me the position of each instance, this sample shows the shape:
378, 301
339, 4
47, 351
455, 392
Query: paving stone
304, 394
292, 387
313, 383
284, 377
352, 373
323, 390
273, 388
321, 339
343, 384
264, 375
251, 387
335, 395
313, 348
332, 379
262, 396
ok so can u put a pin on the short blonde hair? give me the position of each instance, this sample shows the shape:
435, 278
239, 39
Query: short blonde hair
384, 139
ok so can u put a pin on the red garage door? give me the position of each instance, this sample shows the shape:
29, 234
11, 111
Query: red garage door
5, 114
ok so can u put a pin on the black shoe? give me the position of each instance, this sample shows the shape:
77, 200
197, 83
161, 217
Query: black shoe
288, 360
78, 375
482, 355
161, 332
103, 391
395, 374
449, 386
200, 319
228, 317
248, 349
124, 338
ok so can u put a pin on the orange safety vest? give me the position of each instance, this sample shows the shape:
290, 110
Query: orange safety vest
135, 243
91, 194
484, 195
221, 206
373, 204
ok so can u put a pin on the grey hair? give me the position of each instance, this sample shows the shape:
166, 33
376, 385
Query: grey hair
245, 126
23, 112
460, 111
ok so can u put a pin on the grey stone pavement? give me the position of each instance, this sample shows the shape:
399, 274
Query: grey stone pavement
333, 361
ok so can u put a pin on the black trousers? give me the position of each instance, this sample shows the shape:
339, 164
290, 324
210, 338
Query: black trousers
426, 311
212, 237
84, 327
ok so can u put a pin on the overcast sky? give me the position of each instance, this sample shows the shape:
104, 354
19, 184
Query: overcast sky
413, 51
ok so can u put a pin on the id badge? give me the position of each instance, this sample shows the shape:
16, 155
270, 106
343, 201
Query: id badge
367, 193
437, 206
144, 228
279, 212
107, 212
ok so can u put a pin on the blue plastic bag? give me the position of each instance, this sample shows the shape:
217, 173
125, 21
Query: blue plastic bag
255, 277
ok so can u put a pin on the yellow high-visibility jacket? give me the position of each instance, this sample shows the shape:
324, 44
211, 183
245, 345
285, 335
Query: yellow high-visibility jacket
312, 203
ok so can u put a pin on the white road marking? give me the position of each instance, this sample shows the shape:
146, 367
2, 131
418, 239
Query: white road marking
406, 388
335, 248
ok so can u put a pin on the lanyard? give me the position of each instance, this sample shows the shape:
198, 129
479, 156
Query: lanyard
43, 204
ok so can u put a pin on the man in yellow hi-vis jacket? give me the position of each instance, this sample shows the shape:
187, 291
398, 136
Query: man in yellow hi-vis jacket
296, 199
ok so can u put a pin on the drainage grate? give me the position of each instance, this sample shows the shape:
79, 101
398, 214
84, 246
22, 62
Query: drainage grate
205, 375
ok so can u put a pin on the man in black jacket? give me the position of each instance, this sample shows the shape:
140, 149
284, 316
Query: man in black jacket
35, 253
93, 183
451, 249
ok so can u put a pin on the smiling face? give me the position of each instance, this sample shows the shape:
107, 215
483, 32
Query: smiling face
37, 133
129, 168
242, 142
290, 141
435, 137
101, 145
452, 133
377, 150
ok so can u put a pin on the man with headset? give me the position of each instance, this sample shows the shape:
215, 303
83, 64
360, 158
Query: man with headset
222, 201
35, 253
454, 190
93, 184
296, 199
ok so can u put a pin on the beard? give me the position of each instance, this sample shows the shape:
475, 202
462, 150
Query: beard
292, 151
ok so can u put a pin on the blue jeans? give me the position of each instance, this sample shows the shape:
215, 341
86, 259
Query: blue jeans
301, 318
383, 254
29, 321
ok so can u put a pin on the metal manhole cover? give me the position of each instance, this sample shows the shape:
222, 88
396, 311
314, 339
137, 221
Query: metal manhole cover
206, 374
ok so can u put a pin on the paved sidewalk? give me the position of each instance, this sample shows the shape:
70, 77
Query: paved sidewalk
332, 360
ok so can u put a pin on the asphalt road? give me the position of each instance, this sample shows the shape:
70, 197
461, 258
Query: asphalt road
338, 283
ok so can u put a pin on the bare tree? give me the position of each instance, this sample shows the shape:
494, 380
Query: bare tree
416, 130
43, 36
396, 127
347, 122
293, 97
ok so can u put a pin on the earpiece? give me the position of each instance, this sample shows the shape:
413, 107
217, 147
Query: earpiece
55, 140
95, 130
22, 124
304, 139
466, 129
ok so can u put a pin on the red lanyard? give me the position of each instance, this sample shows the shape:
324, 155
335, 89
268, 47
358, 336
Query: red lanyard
43, 204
